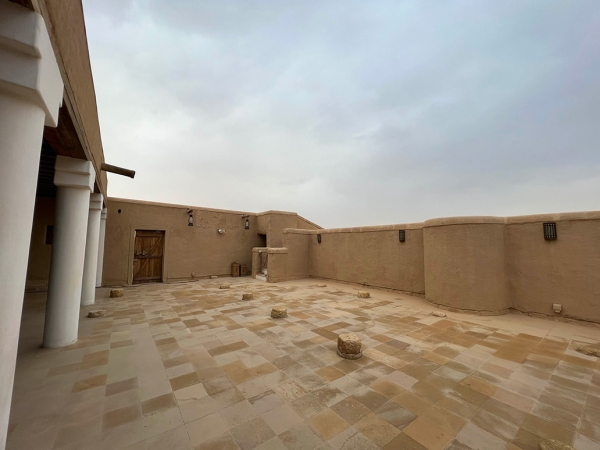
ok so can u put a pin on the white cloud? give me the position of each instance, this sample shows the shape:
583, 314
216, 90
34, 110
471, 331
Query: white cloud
351, 113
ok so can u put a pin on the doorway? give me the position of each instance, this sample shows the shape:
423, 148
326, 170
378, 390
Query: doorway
263, 240
148, 256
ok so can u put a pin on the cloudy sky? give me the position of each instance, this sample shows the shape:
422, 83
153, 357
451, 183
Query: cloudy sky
352, 113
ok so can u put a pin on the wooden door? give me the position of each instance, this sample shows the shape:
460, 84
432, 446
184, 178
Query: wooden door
148, 256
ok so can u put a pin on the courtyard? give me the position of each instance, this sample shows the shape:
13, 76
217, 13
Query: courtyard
192, 366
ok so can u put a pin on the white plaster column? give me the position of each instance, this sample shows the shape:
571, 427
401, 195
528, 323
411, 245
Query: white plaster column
31, 91
88, 288
74, 179
101, 248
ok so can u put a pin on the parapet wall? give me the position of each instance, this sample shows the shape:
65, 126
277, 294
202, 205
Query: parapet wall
486, 265
465, 263
189, 251
372, 256
565, 270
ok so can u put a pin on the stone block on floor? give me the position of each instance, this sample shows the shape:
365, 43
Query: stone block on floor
279, 312
349, 346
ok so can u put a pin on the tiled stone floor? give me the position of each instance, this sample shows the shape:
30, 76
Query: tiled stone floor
185, 366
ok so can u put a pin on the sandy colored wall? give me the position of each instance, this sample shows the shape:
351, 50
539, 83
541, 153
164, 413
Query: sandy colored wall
272, 223
291, 261
38, 268
481, 264
465, 264
298, 261
373, 256
258, 256
199, 249
565, 271
277, 265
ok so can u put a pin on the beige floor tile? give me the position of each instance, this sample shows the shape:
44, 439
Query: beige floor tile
184, 381
404, 442
427, 434
396, 415
158, 404
328, 424
330, 373
121, 386
121, 400
376, 429
222, 442
282, 418
175, 439
450, 423
238, 413
121, 416
251, 434
206, 428
191, 354
89, 383
417, 405
472, 436
351, 438
161, 422
74, 433
547, 429
308, 406
350, 410
386, 388
300, 437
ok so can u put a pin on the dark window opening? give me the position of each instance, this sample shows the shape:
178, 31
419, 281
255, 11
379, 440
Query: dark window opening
49, 234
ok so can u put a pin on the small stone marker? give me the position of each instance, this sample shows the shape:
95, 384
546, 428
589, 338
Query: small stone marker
438, 314
213, 277
349, 346
589, 351
96, 313
224, 286
363, 294
247, 296
279, 312
321, 285
116, 293
551, 444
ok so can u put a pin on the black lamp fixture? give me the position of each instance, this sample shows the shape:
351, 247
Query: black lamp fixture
191, 217
550, 231
319, 238
402, 235
246, 221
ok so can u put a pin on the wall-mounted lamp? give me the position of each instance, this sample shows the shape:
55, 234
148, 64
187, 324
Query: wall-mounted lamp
221, 231
550, 231
319, 238
246, 221
191, 217
402, 235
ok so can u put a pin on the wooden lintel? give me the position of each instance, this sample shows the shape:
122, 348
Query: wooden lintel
118, 170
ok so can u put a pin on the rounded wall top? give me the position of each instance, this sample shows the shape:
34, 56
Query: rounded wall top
468, 220
395, 227
556, 217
